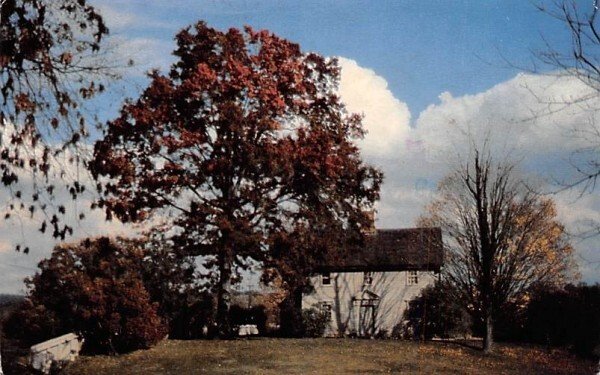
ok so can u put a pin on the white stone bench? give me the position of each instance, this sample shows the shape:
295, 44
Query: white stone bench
64, 348
248, 330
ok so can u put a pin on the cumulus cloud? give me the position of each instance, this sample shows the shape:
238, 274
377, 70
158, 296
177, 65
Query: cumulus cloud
526, 118
386, 118
529, 119
526, 114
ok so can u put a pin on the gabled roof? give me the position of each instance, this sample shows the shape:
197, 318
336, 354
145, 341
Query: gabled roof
395, 250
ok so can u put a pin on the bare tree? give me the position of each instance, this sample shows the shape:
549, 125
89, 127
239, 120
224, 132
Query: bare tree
581, 61
501, 238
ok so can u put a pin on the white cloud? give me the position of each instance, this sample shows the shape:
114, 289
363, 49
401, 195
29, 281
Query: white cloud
525, 114
524, 118
522, 115
22, 228
125, 15
146, 53
386, 118
117, 19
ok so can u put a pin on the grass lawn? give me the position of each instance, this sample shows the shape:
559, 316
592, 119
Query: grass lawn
330, 356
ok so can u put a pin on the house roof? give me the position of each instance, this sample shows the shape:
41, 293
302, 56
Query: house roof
394, 250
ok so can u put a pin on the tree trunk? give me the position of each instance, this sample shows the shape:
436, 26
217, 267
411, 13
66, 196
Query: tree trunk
223, 298
488, 339
290, 318
337, 303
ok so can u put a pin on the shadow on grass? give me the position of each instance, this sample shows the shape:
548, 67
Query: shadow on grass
474, 344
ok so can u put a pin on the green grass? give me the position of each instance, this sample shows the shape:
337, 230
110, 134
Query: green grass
330, 356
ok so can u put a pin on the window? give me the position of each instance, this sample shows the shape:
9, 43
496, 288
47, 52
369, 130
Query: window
368, 278
326, 278
413, 278
326, 307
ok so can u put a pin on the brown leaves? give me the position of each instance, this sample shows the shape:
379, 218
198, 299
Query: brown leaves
48, 69
66, 58
96, 289
244, 139
23, 103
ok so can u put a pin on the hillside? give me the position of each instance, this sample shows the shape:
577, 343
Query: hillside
329, 356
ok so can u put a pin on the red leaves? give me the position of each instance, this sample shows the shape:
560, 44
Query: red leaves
244, 140
221, 111
204, 77
23, 103
95, 288
66, 58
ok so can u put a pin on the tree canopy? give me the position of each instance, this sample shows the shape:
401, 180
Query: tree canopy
244, 140
501, 238
51, 63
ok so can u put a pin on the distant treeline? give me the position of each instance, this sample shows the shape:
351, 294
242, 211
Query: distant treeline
10, 299
8, 302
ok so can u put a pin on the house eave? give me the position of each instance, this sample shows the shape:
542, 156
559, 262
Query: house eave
380, 268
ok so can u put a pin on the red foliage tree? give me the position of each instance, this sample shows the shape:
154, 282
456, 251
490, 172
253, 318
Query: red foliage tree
94, 288
243, 140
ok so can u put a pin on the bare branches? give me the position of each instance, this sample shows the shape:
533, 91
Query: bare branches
50, 65
582, 62
501, 238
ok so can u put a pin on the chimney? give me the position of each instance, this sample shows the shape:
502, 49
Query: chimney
370, 227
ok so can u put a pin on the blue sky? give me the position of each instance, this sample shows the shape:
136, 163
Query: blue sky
423, 73
422, 48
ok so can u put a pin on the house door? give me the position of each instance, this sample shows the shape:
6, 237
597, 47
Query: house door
366, 320
364, 314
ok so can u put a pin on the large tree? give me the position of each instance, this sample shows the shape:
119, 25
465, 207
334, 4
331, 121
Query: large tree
501, 238
51, 63
243, 140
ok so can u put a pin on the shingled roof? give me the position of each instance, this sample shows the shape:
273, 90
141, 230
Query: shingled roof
395, 250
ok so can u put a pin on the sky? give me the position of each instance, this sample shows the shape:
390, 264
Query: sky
423, 73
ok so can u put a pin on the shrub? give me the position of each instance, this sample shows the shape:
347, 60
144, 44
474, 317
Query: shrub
382, 334
398, 332
314, 322
510, 323
94, 289
291, 318
434, 313
566, 317
192, 320
170, 277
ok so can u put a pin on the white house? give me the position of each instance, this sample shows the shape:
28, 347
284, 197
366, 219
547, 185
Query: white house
370, 290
